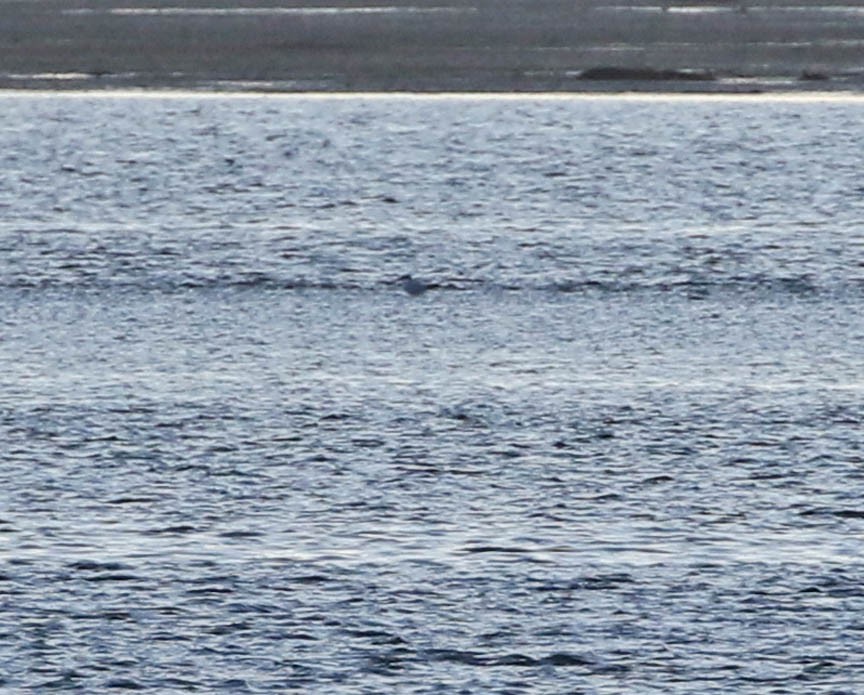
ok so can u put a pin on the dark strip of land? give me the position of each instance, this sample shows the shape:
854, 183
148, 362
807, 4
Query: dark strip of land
433, 45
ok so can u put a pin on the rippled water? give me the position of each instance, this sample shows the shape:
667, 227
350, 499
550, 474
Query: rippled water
615, 446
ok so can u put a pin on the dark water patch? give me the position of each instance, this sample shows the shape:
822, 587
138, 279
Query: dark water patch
241, 534
310, 579
301, 637
133, 500
658, 480
484, 660
7, 527
514, 660
210, 590
21, 561
839, 513
392, 661
69, 680
368, 443
566, 660
506, 550
112, 577
603, 582
96, 566
848, 513
175, 530
230, 628
123, 684
98, 616
455, 656
377, 636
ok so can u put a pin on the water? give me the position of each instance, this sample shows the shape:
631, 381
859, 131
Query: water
614, 447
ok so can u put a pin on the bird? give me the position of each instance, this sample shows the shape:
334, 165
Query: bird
412, 286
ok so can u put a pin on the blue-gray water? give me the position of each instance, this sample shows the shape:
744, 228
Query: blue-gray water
615, 448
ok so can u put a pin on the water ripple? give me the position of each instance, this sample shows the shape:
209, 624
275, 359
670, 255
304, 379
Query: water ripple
613, 447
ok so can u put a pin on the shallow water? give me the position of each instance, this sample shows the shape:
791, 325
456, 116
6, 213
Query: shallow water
615, 447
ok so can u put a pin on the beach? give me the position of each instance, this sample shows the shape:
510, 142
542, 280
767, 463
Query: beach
432, 46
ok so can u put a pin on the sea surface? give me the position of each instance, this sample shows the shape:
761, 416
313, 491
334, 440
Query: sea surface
615, 446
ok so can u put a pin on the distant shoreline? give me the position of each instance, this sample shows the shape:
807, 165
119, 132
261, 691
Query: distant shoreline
654, 90
434, 46
719, 85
